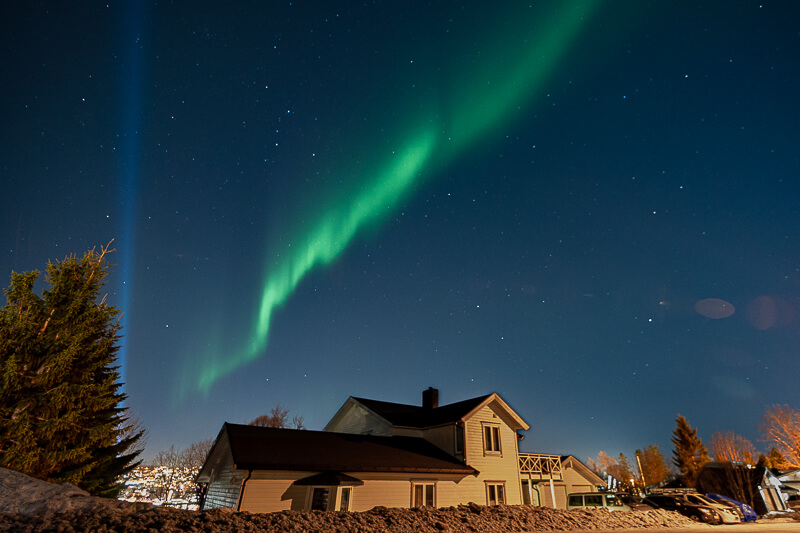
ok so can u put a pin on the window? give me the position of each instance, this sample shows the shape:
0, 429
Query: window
459, 428
319, 498
344, 501
423, 494
526, 492
495, 493
491, 439
575, 500
593, 500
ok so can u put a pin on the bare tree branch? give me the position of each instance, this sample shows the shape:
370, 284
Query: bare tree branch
781, 426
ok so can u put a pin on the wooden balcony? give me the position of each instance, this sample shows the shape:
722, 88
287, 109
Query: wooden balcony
540, 466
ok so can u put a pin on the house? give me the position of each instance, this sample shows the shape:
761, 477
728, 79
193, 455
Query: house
375, 453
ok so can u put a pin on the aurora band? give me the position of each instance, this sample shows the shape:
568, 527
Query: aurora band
471, 115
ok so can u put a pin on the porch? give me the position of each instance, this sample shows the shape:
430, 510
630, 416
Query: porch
535, 468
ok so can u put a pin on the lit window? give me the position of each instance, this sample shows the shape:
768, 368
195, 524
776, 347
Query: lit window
423, 494
491, 439
495, 493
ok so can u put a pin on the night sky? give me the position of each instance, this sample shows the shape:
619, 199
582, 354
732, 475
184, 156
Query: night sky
589, 208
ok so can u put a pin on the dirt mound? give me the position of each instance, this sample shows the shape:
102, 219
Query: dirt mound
29, 505
26, 496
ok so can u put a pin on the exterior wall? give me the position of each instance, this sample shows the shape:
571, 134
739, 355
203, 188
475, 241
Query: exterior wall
358, 420
575, 482
274, 491
269, 491
572, 481
223, 485
502, 467
389, 492
395, 490
560, 490
443, 437
222, 490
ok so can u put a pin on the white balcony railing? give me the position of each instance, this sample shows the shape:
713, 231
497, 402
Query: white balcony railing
540, 465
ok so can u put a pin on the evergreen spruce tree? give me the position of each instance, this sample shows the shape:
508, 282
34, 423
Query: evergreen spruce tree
689, 454
61, 414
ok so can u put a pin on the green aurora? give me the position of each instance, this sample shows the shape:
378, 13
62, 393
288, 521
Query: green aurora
507, 81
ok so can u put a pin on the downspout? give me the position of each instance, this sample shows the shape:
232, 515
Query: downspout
538, 494
241, 492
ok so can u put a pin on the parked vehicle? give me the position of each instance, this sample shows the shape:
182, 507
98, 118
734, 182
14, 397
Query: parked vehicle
634, 502
728, 514
748, 514
698, 513
580, 500
730, 506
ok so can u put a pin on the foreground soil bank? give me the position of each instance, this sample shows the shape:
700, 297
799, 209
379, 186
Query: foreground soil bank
31, 505
454, 519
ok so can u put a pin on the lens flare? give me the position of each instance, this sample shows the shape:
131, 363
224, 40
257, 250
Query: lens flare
131, 121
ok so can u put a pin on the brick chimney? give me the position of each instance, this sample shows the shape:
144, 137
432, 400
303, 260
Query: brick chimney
430, 398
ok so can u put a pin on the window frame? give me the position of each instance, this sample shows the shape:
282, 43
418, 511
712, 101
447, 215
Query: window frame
594, 500
459, 438
423, 484
312, 490
492, 441
575, 500
340, 498
499, 496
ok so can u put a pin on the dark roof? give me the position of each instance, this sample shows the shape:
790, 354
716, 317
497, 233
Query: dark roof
414, 416
260, 448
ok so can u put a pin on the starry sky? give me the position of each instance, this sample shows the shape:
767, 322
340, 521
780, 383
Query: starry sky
587, 207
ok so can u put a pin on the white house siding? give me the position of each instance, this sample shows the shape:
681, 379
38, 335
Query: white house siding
572, 481
268, 491
394, 490
222, 492
559, 489
388, 493
265, 492
502, 468
576, 482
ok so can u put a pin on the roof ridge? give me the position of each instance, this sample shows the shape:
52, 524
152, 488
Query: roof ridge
475, 399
